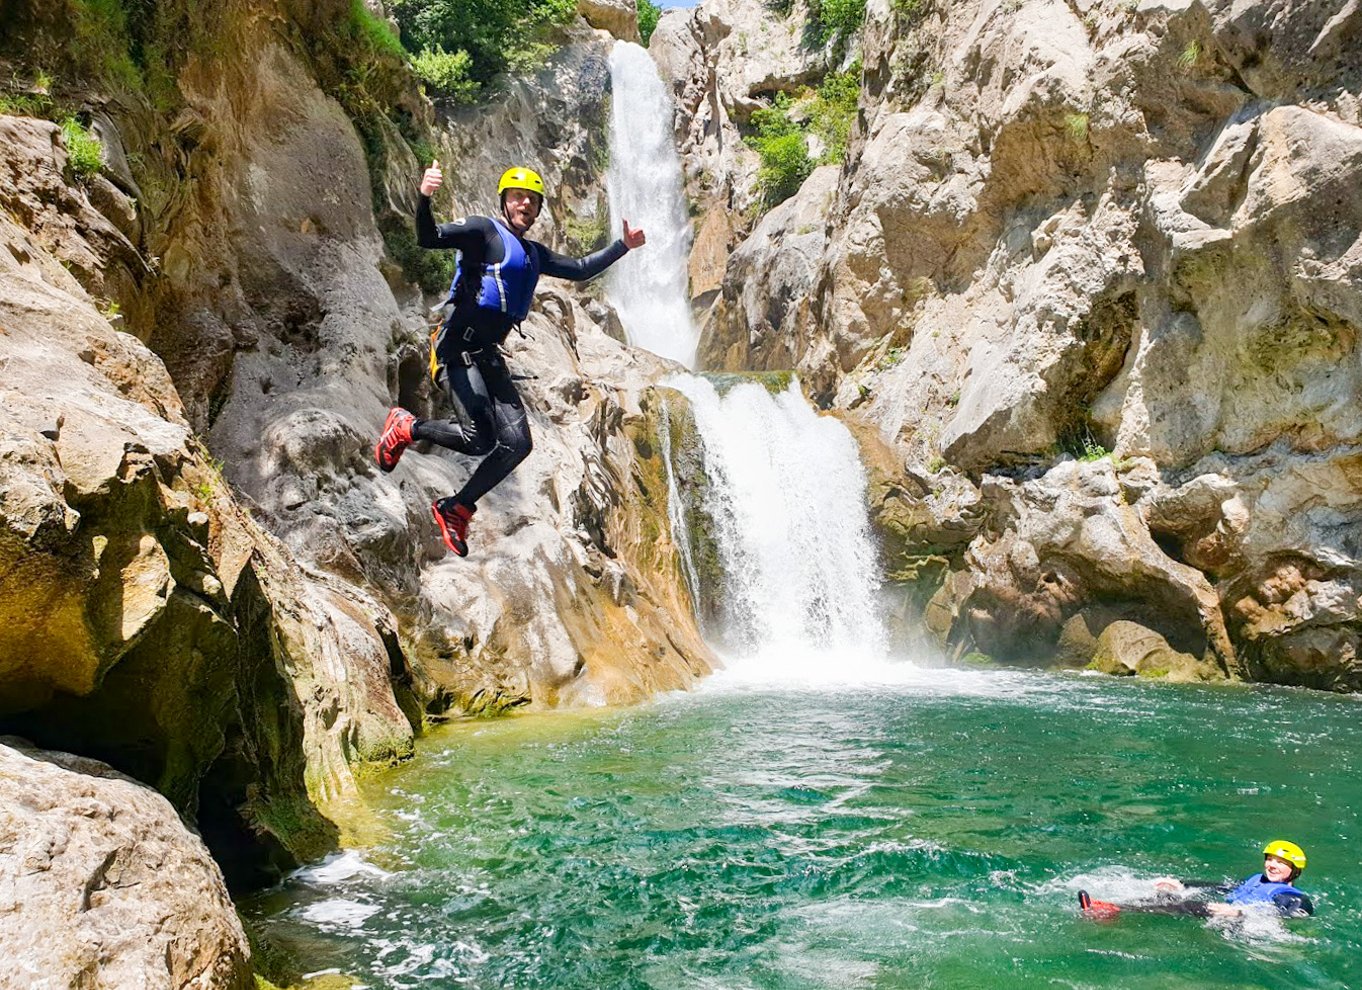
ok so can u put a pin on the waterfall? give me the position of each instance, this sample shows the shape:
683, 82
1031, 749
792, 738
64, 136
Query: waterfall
786, 499
783, 489
643, 184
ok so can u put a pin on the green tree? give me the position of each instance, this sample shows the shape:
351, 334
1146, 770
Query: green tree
495, 34
784, 151
648, 13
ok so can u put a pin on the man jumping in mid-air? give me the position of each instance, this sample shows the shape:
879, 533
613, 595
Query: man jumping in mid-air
492, 290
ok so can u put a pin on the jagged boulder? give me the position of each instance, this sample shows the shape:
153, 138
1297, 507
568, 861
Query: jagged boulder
101, 884
757, 322
1063, 544
1277, 532
619, 17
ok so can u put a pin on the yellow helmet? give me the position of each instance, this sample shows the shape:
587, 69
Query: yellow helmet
520, 177
1288, 851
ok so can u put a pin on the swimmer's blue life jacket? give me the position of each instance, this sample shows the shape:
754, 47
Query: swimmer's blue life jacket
1256, 890
507, 286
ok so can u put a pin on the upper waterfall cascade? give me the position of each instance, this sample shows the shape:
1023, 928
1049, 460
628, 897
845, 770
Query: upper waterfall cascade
643, 184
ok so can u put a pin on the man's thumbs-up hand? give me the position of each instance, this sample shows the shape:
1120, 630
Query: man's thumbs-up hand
433, 179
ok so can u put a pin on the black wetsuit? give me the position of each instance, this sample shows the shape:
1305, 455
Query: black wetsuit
1288, 905
467, 361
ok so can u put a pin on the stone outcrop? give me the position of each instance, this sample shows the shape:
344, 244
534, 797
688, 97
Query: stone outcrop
769, 282
1069, 229
619, 17
1126, 648
101, 885
134, 590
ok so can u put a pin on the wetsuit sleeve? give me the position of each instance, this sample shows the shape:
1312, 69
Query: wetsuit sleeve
1222, 886
464, 235
1293, 905
579, 269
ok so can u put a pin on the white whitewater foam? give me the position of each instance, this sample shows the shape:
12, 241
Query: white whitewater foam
339, 912
786, 497
337, 868
643, 185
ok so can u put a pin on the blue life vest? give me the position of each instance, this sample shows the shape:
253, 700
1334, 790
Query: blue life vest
1256, 890
508, 285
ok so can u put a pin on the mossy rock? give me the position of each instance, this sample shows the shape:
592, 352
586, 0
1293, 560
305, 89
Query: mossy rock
1127, 648
774, 382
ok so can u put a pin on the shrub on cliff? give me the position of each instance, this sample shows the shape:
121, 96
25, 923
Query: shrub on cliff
782, 133
837, 20
447, 73
84, 153
832, 111
494, 34
648, 13
784, 151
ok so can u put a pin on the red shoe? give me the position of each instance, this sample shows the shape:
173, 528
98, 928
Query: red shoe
452, 518
395, 439
1097, 910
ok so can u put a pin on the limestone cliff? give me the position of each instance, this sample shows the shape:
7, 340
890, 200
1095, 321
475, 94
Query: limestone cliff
1123, 233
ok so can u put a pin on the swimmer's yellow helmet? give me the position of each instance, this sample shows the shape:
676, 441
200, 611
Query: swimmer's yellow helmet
1288, 851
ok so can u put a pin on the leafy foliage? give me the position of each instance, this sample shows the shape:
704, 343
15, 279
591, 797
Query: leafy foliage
784, 151
374, 32
363, 63
495, 34
100, 42
836, 21
447, 73
781, 133
648, 13
84, 153
832, 111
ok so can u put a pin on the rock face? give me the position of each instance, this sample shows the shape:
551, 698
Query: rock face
619, 17
769, 282
101, 885
133, 588
520, 620
724, 59
1068, 229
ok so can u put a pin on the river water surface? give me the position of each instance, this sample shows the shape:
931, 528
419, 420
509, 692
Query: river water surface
920, 828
